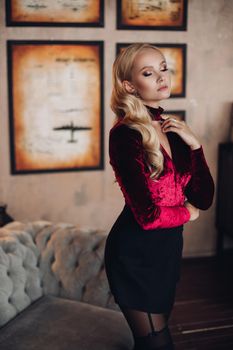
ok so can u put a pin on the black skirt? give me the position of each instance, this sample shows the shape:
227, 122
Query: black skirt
143, 266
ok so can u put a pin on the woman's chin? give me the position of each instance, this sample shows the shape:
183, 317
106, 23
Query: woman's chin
164, 94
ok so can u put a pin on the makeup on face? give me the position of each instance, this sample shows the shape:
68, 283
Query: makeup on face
151, 67
163, 88
150, 76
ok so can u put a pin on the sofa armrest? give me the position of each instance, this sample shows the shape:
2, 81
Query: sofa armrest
19, 270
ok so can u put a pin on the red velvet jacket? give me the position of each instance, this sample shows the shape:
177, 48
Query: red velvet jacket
159, 204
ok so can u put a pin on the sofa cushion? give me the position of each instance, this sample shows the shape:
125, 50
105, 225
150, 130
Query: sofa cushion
52, 323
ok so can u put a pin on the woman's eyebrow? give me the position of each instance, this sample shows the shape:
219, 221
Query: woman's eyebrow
162, 62
151, 66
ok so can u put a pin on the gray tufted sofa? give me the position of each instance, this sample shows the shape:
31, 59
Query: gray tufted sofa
54, 292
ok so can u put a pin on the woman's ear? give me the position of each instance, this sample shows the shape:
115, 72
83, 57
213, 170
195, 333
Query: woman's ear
128, 86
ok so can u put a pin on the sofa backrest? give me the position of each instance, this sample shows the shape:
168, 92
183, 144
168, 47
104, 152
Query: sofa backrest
42, 257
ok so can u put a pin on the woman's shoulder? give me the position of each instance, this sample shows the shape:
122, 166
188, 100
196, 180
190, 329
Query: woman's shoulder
123, 131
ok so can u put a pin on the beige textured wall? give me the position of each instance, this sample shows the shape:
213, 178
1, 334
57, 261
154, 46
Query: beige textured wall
90, 199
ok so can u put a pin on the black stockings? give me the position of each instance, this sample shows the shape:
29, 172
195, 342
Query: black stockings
150, 330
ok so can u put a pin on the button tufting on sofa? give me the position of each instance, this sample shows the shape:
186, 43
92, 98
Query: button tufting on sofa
57, 262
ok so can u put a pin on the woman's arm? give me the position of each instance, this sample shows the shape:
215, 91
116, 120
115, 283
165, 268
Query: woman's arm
126, 158
200, 188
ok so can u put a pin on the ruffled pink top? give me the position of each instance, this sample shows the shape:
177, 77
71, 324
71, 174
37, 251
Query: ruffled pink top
159, 204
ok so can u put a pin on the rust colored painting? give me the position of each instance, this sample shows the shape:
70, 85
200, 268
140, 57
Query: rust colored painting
152, 14
55, 105
175, 55
85, 13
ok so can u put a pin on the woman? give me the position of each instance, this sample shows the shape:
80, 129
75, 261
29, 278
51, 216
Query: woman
161, 169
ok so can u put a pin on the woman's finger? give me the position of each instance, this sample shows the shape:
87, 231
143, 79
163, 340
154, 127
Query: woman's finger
172, 123
171, 128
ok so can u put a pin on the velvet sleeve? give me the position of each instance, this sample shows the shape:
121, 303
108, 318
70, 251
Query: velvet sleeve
200, 188
126, 158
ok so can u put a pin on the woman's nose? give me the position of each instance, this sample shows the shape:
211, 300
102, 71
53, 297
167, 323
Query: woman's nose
160, 78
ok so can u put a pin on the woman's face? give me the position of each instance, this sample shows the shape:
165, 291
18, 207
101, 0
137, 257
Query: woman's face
149, 74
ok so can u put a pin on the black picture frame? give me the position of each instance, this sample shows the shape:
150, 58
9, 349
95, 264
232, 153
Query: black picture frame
11, 22
16, 118
124, 26
179, 114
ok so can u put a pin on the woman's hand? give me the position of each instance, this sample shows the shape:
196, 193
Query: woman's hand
194, 212
182, 129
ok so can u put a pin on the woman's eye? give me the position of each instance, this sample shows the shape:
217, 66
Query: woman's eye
164, 69
146, 74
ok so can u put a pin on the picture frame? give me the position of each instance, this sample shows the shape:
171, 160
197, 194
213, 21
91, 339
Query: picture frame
176, 56
152, 15
55, 105
176, 114
63, 13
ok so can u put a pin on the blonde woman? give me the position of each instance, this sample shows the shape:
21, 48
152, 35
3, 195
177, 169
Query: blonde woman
161, 169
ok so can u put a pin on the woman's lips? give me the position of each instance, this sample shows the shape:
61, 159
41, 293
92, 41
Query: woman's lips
163, 88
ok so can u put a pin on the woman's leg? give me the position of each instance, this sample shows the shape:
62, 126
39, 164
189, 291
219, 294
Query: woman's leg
150, 330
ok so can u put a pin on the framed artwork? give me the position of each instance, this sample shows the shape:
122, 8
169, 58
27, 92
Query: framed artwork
55, 105
66, 13
175, 55
176, 114
152, 14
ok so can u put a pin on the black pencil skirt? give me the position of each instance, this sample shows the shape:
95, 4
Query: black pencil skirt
143, 266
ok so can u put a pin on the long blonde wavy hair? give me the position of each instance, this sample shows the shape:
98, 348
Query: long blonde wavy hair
130, 109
